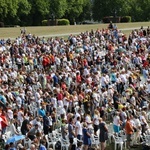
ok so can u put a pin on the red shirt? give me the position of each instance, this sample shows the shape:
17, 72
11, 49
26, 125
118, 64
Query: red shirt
59, 96
4, 122
63, 86
78, 78
129, 127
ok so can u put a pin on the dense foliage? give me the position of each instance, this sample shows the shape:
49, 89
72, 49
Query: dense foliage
32, 12
137, 9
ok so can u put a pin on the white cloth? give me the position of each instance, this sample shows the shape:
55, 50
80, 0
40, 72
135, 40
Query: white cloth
10, 114
116, 121
96, 119
79, 128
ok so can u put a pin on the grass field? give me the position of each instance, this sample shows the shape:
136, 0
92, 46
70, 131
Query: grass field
49, 31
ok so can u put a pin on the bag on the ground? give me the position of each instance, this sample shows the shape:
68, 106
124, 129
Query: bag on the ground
58, 145
73, 147
145, 147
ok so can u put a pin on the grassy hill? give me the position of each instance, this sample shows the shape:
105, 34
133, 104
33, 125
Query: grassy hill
49, 31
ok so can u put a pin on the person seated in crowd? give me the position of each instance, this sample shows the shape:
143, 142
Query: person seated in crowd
32, 132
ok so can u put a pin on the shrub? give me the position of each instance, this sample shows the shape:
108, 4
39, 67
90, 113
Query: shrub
63, 22
112, 19
107, 19
44, 22
126, 19
1, 24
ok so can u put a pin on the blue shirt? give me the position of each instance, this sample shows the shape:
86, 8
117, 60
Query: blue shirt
55, 78
113, 77
3, 99
42, 147
13, 148
41, 112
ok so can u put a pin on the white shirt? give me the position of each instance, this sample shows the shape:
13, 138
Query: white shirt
96, 119
132, 122
5, 78
77, 115
137, 123
54, 102
79, 128
142, 119
20, 116
88, 121
50, 120
10, 113
148, 88
133, 101
103, 81
14, 74
116, 120
86, 72
34, 122
123, 78
18, 101
66, 102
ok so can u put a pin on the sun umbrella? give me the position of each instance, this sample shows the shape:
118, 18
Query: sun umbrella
15, 138
120, 50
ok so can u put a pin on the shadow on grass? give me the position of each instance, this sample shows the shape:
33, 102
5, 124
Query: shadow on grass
111, 147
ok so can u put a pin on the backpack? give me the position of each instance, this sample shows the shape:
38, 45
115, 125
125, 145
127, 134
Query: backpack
58, 145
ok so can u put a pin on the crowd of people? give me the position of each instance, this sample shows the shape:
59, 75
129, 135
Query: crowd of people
77, 85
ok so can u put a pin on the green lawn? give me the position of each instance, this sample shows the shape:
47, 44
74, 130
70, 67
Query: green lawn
65, 30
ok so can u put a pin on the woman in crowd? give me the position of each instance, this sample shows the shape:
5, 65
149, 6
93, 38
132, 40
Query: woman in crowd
86, 136
103, 133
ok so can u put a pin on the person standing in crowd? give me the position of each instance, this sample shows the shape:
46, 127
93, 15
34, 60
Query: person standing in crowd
116, 99
129, 131
86, 136
123, 117
41, 111
144, 123
89, 121
64, 130
116, 122
103, 133
71, 133
4, 122
25, 127
46, 124
78, 128
96, 121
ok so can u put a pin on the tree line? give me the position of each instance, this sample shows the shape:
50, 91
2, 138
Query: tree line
32, 12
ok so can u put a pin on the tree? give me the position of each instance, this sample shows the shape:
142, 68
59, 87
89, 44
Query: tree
100, 9
103, 8
87, 11
74, 9
3, 9
8, 10
58, 8
39, 11
24, 8
145, 8
138, 9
